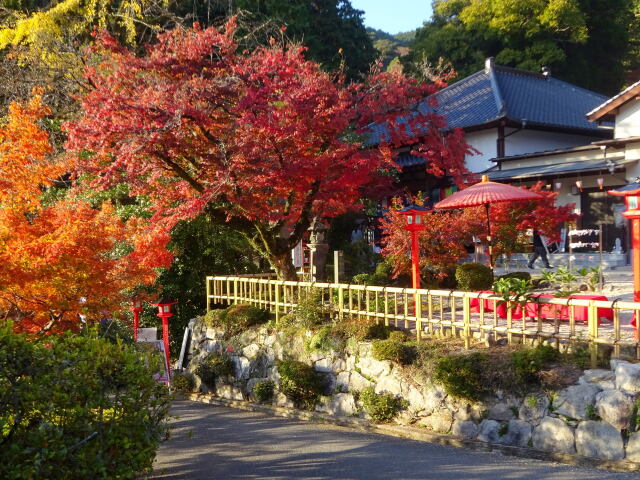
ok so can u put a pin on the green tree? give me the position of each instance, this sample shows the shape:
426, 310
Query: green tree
582, 41
201, 248
332, 30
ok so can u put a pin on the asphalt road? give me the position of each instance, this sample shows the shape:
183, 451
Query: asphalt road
212, 442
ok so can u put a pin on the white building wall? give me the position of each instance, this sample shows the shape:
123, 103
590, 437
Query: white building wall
484, 142
530, 141
628, 120
521, 142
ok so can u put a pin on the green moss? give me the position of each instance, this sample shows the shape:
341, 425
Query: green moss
528, 363
263, 390
326, 340
474, 276
391, 350
504, 429
300, 383
182, 383
380, 407
461, 375
236, 318
213, 366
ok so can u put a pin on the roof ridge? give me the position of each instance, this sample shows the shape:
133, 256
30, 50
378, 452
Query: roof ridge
497, 94
465, 79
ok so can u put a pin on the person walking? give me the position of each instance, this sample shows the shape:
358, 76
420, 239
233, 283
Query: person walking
539, 250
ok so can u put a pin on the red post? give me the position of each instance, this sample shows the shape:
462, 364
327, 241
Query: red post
165, 338
631, 194
164, 312
635, 255
136, 309
415, 260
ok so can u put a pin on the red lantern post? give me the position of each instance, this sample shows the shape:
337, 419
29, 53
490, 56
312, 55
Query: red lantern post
136, 309
164, 312
631, 194
415, 224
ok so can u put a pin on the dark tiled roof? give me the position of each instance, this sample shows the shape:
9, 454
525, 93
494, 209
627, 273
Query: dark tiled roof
537, 171
506, 93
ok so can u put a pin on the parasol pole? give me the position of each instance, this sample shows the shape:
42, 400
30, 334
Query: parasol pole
486, 208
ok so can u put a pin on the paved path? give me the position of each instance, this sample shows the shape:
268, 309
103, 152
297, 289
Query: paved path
212, 442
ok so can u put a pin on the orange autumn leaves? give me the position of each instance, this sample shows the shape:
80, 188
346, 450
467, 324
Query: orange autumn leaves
63, 259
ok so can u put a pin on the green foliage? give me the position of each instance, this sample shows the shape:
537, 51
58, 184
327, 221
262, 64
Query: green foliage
326, 340
263, 390
236, 319
390, 349
591, 277
527, 363
311, 311
359, 257
78, 407
474, 276
214, 365
182, 383
461, 375
200, 248
514, 291
300, 383
564, 280
569, 36
380, 277
519, 275
380, 407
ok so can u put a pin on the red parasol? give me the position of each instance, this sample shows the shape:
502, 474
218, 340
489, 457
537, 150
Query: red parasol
486, 193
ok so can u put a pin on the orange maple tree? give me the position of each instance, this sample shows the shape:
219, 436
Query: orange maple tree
61, 259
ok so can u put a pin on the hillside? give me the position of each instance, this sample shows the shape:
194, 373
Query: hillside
391, 47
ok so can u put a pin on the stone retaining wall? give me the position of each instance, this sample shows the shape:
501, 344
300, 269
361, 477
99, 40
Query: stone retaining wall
596, 418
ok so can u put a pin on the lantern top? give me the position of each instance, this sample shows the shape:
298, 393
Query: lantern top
414, 209
630, 189
164, 301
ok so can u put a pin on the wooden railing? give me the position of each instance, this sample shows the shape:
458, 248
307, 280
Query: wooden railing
433, 312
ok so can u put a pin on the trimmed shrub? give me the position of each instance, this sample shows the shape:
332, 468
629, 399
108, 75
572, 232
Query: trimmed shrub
182, 383
527, 363
300, 383
461, 375
236, 319
78, 406
311, 312
263, 390
474, 276
213, 366
380, 407
326, 340
520, 275
381, 276
390, 349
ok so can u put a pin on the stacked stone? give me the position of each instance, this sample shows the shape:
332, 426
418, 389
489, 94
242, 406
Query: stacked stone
594, 418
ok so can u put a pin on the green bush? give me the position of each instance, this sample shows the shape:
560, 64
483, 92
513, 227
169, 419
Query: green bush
380, 407
213, 366
519, 275
380, 277
78, 407
326, 340
182, 383
236, 319
311, 311
461, 375
474, 276
527, 363
300, 383
392, 350
263, 390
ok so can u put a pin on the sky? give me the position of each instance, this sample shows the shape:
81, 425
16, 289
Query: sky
394, 16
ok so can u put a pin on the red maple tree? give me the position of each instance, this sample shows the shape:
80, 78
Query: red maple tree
443, 241
61, 258
264, 139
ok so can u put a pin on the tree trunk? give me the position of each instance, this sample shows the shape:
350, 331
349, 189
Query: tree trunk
283, 265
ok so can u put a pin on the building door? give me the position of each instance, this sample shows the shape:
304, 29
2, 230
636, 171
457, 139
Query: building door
599, 207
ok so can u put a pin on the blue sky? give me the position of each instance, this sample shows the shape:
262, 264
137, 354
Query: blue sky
394, 16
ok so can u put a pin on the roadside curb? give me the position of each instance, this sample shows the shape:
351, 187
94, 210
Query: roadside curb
419, 434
